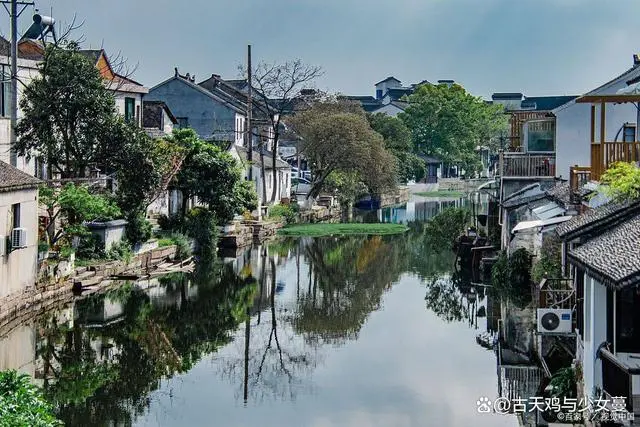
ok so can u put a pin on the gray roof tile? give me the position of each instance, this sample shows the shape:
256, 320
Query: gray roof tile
597, 218
14, 179
613, 258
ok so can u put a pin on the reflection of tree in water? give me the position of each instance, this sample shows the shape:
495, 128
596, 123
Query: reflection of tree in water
347, 278
273, 362
150, 343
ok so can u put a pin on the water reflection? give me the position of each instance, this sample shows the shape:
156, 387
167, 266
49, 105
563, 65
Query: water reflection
260, 325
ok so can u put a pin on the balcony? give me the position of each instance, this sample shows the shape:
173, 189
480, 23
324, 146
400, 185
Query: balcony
617, 378
527, 165
555, 293
604, 155
578, 177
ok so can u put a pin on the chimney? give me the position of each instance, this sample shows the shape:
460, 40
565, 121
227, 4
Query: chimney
215, 76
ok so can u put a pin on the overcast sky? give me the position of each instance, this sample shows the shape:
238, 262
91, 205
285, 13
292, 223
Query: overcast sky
538, 47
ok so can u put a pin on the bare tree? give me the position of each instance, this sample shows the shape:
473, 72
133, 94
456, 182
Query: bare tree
279, 89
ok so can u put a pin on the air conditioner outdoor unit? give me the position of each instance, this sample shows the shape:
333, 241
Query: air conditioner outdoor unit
554, 321
19, 238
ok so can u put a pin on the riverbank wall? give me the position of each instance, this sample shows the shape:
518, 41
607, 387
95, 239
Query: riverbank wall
47, 295
241, 234
401, 195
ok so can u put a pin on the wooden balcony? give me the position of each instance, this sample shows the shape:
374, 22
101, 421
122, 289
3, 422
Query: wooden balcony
578, 177
617, 379
528, 165
604, 155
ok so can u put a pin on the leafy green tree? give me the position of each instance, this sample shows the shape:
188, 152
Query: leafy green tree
449, 123
621, 182
214, 177
67, 111
22, 403
336, 137
72, 206
398, 141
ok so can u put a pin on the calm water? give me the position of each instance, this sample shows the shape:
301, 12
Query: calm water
360, 331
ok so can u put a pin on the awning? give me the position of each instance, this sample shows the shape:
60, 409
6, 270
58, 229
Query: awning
549, 210
528, 225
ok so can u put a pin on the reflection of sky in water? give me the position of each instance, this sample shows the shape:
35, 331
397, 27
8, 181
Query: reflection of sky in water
406, 368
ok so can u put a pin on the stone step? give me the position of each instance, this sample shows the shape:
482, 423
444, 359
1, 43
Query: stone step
88, 281
84, 275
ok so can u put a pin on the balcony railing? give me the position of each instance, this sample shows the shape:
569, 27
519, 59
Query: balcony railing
555, 293
578, 177
604, 155
528, 165
617, 377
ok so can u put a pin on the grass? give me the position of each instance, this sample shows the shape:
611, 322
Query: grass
440, 193
342, 229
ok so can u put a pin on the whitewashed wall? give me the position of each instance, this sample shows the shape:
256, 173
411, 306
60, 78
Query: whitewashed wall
573, 132
18, 268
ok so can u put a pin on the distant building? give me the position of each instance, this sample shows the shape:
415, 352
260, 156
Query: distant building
390, 96
158, 120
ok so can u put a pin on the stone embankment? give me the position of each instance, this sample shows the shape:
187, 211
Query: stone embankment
49, 294
244, 233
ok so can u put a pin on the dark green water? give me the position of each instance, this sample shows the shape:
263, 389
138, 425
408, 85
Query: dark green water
358, 331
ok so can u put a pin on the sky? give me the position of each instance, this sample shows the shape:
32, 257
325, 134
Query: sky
537, 47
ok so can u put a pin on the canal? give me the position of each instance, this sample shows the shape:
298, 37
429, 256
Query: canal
357, 331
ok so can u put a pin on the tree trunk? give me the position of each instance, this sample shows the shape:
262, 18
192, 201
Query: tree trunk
347, 211
185, 204
264, 180
274, 194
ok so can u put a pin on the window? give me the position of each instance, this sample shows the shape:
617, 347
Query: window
129, 109
5, 91
629, 132
15, 213
183, 122
540, 135
378, 93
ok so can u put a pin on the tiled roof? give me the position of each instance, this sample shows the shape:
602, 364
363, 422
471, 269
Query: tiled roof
597, 219
561, 192
14, 179
268, 158
523, 196
5, 50
548, 103
387, 79
613, 258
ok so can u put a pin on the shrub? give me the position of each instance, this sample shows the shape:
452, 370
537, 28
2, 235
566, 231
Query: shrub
120, 251
183, 245
138, 228
283, 211
444, 228
511, 277
201, 225
90, 247
22, 403
550, 262
171, 223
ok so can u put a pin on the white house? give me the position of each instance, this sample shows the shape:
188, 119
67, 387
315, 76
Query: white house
18, 229
28, 60
573, 122
282, 169
602, 251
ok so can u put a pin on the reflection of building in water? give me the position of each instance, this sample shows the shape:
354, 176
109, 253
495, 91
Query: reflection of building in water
417, 211
18, 350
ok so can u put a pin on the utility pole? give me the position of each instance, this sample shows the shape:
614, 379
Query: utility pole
249, 114
13, 105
